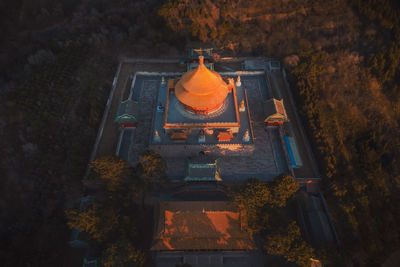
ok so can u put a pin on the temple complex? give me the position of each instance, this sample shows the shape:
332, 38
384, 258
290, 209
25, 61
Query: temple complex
216, 124
201, 107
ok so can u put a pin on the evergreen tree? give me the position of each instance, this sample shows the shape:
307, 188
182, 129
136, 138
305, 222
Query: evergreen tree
288, 243
122, 254
283, 188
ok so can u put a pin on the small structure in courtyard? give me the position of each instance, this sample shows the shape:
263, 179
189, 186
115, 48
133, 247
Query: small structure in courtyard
275, 113
194, 55
274, 66
201, 170
127, 114
238, 82
202, 137
242, 108
180, 135
293, 151
225, 136
246, 136
156, 137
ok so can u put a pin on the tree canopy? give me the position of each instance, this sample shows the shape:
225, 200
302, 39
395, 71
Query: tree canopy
286, 241
265, 206
152, 169
112, 172
282, 189
122, 253
256, 196
101, 220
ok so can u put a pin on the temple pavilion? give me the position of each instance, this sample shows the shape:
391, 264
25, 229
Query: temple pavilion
201, 101
201, 90
275, 113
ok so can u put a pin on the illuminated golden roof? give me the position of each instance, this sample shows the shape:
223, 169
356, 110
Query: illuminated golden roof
201, 89
200, 225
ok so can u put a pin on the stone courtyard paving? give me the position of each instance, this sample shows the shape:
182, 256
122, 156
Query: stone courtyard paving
148, 90
261, 161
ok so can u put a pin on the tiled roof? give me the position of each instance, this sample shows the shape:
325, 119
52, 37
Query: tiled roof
225, 135
274, 109
127, 111
202, 171
200, 225
201, 88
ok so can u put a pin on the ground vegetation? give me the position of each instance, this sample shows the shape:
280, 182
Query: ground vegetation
269, 211
57, 63
111, 221
342, 58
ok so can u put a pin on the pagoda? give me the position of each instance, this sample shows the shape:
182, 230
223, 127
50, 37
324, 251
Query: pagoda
199, 102
201, 91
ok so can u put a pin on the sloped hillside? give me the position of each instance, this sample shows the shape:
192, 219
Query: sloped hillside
263, 27
343, 63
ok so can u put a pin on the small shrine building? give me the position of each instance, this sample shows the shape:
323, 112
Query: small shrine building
274, 111
127, 115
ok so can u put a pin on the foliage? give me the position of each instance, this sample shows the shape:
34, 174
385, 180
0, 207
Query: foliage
53, 53
99, 220
152, 169
113, 172
112, 225
251, 26
256, 196
385, 63
283, 188
288, 243
251, 198
122, 253
268, 214
358, 145
351, 103
330, 255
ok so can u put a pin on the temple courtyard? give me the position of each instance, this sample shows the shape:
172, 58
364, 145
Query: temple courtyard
216, 124
262, 157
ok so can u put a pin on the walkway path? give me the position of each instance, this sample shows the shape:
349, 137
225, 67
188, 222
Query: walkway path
309, 169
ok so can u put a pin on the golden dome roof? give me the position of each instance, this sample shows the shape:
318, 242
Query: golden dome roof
201, 89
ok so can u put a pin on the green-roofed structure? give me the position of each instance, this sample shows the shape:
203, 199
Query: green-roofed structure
194, 58
202, 171
205, 52
127, 115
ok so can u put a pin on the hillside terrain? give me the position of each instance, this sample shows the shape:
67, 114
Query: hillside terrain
343, 62
58, 60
